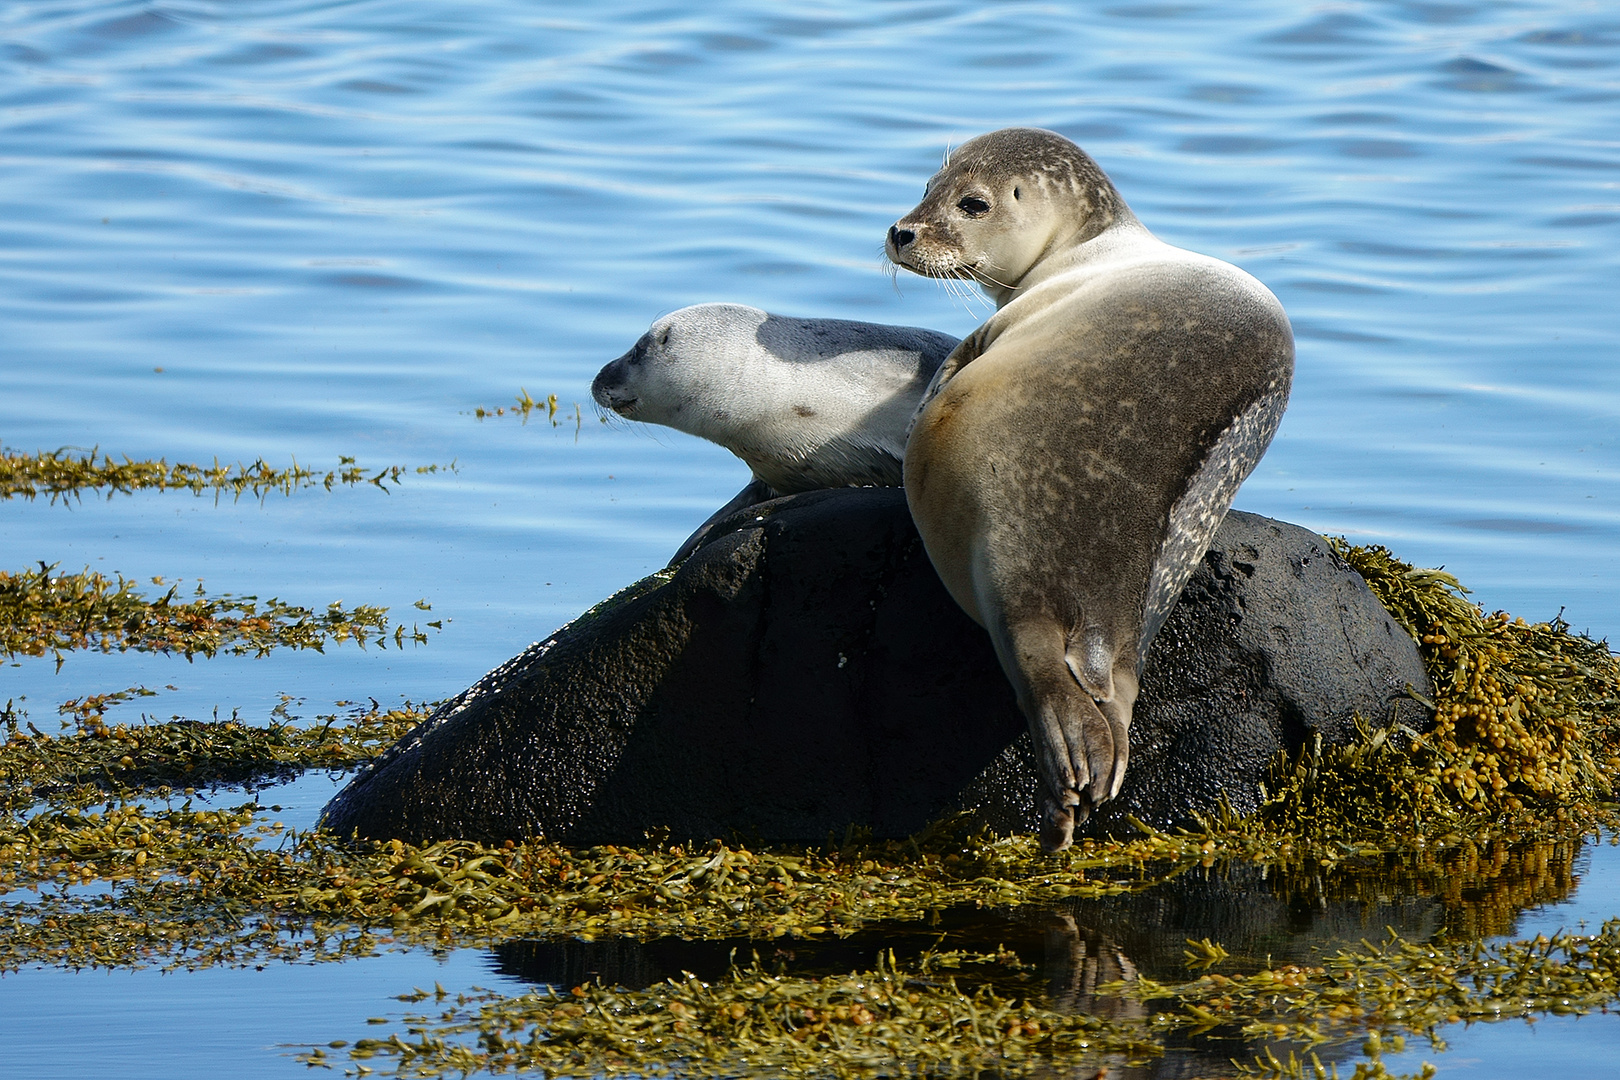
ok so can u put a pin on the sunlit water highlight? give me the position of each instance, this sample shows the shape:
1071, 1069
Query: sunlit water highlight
338, 228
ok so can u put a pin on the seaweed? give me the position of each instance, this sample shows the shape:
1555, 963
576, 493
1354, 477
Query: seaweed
46, 612
917, 1021
127, 758
67, 473
893, 1020
523, 405
1526, 726
522, 408
110, 857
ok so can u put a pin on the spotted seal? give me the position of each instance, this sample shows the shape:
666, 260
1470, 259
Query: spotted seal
806, 403
1073, 456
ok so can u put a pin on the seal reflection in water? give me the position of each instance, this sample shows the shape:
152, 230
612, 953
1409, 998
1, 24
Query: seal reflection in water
1073, 456
806, 403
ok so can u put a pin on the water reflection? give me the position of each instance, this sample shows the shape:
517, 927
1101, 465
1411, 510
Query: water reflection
1265, 917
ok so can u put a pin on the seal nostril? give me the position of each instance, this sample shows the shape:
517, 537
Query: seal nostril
900, 237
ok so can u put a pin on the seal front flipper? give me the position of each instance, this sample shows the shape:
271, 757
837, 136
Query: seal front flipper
1199, 512
967, 350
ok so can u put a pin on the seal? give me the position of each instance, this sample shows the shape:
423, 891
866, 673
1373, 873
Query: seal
805, 403
1073, 456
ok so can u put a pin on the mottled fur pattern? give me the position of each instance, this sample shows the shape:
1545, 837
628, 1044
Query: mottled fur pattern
1074, 455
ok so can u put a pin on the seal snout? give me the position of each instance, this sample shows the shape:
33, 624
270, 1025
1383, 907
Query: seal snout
609, 389
899, 246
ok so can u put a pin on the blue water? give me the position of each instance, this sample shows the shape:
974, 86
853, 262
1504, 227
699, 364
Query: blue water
307, 229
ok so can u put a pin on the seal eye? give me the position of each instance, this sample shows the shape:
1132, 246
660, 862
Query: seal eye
663, 339
973, 206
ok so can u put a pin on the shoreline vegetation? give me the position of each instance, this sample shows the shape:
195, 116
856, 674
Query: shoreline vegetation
109, 857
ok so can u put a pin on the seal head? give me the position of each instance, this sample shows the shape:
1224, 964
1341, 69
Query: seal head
1073, 456
806, 403
1002, 204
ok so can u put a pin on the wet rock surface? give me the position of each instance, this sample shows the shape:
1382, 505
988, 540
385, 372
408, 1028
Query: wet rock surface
804, 670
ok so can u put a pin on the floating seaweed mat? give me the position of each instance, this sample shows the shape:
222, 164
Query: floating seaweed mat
66, 473
186, 887
1392, 989
185, 753
916, 1021
291, 891
895, 1020
44, 612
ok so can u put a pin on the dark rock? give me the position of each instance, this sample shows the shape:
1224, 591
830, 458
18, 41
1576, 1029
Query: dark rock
805, 670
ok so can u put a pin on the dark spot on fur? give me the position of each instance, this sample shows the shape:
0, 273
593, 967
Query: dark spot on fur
804, 410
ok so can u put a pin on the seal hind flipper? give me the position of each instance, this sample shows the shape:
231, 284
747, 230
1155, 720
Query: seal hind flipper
1081, 739
1202, 507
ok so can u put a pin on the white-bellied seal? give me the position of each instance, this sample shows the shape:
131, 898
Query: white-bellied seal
1074, 455
806, 403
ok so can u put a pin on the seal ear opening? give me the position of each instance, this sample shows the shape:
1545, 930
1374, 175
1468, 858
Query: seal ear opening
1016, 194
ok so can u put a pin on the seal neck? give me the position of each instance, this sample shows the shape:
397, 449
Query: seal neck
1096, 238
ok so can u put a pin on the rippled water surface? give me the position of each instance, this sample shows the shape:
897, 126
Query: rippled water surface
303, 230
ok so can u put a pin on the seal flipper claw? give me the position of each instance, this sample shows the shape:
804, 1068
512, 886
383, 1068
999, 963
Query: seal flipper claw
1117, 712
1057, 825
